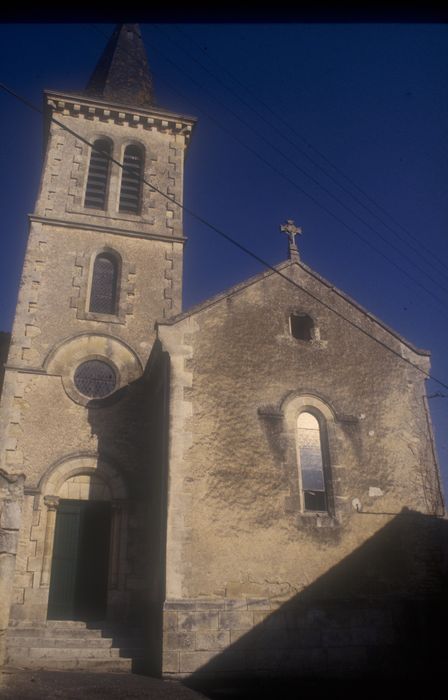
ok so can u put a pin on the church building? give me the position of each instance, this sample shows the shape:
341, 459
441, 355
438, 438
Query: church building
249, 486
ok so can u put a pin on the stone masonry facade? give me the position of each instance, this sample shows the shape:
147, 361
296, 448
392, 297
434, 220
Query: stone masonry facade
195, 459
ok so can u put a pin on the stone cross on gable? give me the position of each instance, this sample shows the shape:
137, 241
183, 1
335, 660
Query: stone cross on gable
291, 231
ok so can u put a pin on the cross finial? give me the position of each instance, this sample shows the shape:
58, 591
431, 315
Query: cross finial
291, 231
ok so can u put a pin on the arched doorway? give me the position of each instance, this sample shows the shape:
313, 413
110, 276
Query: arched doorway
81, 549
85, 541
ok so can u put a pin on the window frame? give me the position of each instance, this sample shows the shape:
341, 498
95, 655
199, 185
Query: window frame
294, 403
142, 150
101, 360
324, 463
305, 317
82, 285
115, 301
104, 208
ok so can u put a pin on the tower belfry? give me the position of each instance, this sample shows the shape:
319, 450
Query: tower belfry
100, 182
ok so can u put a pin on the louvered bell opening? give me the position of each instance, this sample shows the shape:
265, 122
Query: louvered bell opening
96, 190
131, 181
103, 297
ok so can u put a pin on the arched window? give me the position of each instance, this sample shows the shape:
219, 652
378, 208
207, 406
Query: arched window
311, 465
131, 180
104, 293
97, 181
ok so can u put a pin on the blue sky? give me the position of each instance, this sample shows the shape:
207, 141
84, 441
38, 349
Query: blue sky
342, 127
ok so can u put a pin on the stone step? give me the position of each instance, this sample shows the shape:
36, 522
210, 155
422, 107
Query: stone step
120, 665
60, 653
72, 645
61, 632
72, 623
51, 641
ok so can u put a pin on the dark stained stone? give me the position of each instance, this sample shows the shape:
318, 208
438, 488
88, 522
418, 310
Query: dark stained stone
122, 73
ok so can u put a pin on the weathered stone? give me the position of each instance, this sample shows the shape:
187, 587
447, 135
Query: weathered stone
179, 640
8, 541
10, 512
259, 604
171, 662
198, 620
170, 621
192, 661
208, 641
236, 619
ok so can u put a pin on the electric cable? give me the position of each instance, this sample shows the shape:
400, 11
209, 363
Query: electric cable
280, 118
230, 239
435, 297
283, 135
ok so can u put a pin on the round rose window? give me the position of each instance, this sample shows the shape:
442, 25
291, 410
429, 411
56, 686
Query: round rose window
95, 379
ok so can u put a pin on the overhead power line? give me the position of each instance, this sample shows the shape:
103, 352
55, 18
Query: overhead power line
229, 238
420, 246
441, 303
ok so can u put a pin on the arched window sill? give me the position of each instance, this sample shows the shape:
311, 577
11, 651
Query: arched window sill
312, 519
103, 318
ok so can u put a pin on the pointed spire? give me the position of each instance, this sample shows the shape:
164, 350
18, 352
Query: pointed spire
122, 73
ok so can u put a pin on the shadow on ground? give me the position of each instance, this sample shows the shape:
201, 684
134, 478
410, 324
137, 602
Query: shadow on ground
16, 684
377, 620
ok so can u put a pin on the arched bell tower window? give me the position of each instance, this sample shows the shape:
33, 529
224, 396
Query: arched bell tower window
311, 464
131, 180
98, 178
104, 290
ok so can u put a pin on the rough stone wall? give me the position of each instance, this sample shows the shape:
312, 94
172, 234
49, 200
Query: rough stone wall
212, 638
236, 529
11, 495
55, 286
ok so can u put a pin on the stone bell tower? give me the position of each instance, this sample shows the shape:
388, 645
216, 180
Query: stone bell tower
103, 263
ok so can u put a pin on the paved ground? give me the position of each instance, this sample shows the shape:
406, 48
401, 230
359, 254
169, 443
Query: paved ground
16, 684
78, 685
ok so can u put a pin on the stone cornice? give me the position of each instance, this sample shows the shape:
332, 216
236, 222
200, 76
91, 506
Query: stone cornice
93, 108
88, 226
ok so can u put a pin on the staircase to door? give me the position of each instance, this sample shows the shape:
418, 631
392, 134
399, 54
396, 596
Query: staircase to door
68, 645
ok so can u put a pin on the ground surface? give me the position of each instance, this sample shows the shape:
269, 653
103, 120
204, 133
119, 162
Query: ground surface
18, 684
70, 685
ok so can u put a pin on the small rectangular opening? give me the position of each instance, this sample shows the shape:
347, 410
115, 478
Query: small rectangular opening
301, 326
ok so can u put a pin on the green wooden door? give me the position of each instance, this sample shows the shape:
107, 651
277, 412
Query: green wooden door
64, 567
78, 584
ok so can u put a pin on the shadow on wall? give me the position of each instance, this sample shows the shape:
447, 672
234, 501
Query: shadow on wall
5, 341
131, 430
379, 614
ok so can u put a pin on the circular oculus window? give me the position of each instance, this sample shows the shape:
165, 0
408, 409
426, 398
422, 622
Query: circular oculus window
95, 379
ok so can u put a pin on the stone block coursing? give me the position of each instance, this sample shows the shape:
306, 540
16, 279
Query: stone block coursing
11, 495
339, 639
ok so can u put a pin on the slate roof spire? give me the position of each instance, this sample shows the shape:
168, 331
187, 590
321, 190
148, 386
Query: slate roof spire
122, 73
